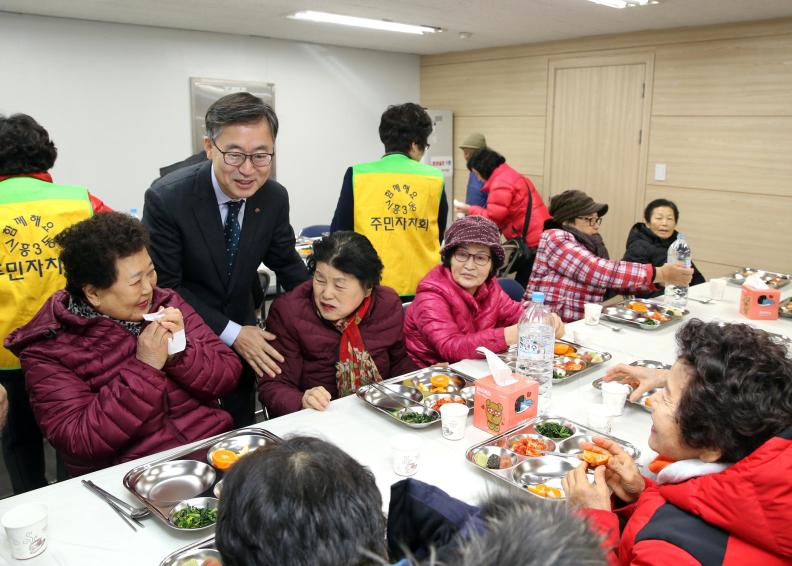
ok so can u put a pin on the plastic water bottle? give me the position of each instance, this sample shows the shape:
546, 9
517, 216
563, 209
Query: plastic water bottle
678, 253
535, 348
134, 213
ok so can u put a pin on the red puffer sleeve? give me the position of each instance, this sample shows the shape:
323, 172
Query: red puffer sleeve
98, 205
207, 368
499, 202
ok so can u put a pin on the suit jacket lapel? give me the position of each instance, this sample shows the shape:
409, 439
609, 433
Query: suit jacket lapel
207, 215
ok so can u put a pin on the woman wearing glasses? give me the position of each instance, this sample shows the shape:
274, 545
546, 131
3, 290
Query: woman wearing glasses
572, 265
459, 305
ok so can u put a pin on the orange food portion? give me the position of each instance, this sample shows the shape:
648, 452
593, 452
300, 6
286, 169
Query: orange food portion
223, 459
595, 458
528, 446
442, 402
560, 349
439, 380
543, 490
638, 307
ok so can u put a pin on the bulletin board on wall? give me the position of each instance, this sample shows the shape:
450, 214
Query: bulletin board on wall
205, 91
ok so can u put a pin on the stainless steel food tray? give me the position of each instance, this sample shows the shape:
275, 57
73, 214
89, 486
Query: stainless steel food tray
171, 483
771, 279
407, 394
643, 400
621, 313
201, 550
561, 375
548, 469
785, 308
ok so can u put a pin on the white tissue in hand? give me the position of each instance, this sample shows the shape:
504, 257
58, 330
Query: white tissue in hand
176, 343
501, 373
755, 281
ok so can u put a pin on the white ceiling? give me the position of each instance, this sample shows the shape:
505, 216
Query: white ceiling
493, 23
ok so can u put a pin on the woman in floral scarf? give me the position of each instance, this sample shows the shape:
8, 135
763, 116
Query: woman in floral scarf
337, 332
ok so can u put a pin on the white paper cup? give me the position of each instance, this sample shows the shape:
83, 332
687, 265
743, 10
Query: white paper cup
406, 453
614, 395
454, 419
599, 417
26, 527
591, 313
717, 288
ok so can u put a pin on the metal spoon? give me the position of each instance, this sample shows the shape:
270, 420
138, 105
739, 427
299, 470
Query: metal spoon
702, 301
612, 327
134, 512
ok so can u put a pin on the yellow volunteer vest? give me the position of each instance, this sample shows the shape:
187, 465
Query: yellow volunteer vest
396, 203
32, 213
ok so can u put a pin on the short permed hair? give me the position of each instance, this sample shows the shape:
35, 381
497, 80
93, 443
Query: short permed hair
239, 108
404, 125
657, 203
304, 502
740, 391
90, 249
25, 146
485, 161
351, 253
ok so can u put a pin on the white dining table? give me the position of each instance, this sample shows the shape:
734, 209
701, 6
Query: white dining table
83, 530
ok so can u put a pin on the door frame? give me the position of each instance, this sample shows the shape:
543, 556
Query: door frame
602, 59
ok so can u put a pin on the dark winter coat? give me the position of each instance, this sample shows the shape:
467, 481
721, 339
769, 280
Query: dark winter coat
310, 346
99, 405
644, 246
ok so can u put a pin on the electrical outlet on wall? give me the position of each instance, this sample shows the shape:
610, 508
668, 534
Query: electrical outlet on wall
660, 171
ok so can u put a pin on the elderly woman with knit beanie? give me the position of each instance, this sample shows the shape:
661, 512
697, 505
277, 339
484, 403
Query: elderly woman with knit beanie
572, 265
459, 304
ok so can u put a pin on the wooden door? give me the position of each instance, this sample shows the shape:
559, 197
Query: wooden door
597, 114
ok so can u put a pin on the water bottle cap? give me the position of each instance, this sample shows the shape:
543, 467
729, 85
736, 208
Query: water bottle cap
680, 236
537, 297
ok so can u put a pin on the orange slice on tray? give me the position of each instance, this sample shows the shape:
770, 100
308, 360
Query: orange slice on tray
560, 349
595, 458
439, 380
223, 459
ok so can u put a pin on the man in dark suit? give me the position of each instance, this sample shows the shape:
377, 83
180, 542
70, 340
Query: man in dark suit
213, 223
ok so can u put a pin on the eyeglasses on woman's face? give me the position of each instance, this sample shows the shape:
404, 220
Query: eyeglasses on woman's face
463, 256
591, 220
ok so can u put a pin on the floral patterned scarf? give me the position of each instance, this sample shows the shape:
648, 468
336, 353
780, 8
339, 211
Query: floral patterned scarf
355, 366
83, 309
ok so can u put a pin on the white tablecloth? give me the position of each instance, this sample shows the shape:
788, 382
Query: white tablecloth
84, 531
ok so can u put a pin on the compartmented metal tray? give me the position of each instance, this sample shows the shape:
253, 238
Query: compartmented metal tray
589, 358
771, 279
785, 308
643, 402
644, 314
414, 393
202, 550
163, 484
525, 470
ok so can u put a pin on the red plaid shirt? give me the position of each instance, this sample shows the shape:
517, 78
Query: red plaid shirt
570, 275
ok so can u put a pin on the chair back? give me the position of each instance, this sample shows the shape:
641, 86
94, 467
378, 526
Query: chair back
314, 231
512, 288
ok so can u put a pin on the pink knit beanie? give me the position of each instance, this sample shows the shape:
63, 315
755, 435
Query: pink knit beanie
474, 230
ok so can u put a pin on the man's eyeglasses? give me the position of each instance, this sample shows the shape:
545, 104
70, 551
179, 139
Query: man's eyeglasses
479, 259
237, 158
592, 220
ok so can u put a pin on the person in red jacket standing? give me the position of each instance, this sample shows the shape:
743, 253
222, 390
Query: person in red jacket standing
107, 385
724, 418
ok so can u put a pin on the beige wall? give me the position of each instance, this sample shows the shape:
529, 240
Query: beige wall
721, 121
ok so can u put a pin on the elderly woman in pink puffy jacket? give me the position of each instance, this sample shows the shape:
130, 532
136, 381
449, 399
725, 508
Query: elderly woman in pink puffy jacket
459, 304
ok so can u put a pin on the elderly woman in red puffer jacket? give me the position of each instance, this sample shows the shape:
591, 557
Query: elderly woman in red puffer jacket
460, 305
103, 385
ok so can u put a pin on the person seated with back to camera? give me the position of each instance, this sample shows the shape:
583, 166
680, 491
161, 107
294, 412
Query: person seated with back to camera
572, 265
337, 332
304, 502
648, 241
723, 417
103, 386
460, 305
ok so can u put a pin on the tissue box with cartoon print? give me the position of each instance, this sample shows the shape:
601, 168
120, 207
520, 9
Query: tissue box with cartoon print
759, 304
498, 408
